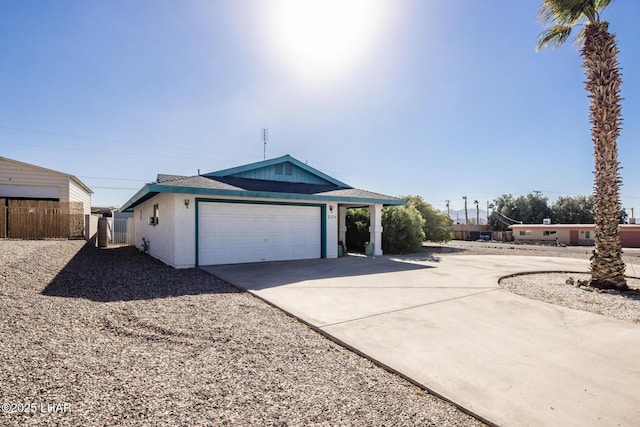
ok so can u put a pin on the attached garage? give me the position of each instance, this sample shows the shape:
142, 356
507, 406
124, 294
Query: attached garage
231, 233
274, 210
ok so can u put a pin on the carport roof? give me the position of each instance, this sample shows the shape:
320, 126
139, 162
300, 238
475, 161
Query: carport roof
241, 182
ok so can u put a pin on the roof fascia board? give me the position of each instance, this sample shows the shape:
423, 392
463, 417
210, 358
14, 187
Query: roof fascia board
551, 226
159, 188
137, 198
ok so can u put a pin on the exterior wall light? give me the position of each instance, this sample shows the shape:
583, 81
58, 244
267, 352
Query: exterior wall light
330, 208
186, 203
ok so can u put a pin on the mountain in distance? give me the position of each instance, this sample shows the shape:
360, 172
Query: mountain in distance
457, 216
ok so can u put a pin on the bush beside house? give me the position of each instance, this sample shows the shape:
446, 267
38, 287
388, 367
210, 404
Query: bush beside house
402, 230
405, 228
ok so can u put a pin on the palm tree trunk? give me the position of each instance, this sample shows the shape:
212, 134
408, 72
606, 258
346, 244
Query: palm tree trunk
603, 84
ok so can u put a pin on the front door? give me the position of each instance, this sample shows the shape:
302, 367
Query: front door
573, 237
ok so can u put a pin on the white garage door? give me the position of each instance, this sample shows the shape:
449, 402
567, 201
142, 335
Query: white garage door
230, 233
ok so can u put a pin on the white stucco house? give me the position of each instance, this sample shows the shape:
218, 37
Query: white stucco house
273, 210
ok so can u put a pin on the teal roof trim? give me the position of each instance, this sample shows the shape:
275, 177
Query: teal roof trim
242, 170
150, 190
142, 195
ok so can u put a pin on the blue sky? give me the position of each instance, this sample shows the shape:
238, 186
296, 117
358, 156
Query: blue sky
439, 99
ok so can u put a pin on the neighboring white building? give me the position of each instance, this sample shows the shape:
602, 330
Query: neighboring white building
274, 210
571, 234
23, 181
37, 203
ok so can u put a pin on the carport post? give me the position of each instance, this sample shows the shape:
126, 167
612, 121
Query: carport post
375, 230
342, 224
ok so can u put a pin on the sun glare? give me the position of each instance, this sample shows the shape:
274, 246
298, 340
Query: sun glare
324, 39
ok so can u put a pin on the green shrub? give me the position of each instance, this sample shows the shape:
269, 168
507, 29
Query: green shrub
357, 229
437, 225
402, 229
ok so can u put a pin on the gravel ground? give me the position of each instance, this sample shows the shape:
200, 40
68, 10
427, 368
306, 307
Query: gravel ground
552, 287
113, 337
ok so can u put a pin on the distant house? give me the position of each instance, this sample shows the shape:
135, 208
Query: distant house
273, 210
571, 234
36, 202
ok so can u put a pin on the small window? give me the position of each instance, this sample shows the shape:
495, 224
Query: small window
549, 233
587, 235
288, 169
279, 169
525, 232
154, 219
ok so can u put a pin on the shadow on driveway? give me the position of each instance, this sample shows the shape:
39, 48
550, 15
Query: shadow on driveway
125, 274
263, 275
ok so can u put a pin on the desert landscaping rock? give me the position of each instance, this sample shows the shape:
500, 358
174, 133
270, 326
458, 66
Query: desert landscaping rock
553, 288
113, 337
560, 288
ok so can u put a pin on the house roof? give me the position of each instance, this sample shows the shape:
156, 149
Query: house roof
71, 177
567, 226
298, 181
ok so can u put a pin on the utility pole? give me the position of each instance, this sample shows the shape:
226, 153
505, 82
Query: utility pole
448, 214
487, 212
538, 193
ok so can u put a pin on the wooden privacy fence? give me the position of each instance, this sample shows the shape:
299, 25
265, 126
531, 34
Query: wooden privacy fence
3, 218
41, 219
502, 236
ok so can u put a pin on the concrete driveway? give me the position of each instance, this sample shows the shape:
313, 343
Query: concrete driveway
446, 324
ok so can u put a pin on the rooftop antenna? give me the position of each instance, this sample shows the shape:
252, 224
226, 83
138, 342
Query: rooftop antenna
265, 138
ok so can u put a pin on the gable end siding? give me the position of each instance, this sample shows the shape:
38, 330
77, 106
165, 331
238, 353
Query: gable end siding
13, 174
287, 172
78, 194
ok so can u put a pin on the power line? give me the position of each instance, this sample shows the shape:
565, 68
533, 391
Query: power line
116, 188
113, 179
120, 141
93, 150
510, 219
342, 169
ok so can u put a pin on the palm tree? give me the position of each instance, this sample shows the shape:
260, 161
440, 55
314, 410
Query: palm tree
466, 212
477, 211
599, 53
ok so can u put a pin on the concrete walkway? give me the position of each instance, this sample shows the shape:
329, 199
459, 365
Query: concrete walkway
446, 324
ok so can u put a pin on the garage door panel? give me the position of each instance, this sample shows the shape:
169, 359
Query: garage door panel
236, 232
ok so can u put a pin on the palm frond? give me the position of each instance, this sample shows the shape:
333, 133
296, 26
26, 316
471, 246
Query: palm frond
554, 37
559, 16
579, 40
